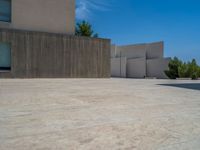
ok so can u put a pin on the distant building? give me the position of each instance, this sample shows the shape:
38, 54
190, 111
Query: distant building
139, 61
37, 40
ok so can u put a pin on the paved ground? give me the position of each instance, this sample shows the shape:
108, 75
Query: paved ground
89, 114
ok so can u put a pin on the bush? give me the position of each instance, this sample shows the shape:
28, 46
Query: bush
183, 71
194, 76
174, 64
193, 69
178, 69
199, 72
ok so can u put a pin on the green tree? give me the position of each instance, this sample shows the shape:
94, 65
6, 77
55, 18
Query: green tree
174, 65
178, 69
85, 29
193, 69
199, 72
183, 70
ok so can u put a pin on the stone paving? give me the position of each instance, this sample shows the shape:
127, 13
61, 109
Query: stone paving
99, 114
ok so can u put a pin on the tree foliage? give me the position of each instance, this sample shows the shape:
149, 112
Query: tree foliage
85, 29
179, 69
183, 71
174, 64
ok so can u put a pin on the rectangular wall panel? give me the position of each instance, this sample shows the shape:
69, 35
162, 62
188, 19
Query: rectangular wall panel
156, 67
155, 50
131, 51
118, 67
136, 68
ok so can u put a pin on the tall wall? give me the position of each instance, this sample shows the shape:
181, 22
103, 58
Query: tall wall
57, 16
48, 55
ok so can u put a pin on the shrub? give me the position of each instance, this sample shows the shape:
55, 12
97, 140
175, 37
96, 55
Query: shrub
193, 69
183, 71
174, 64
199, 72
194, 76
178, 69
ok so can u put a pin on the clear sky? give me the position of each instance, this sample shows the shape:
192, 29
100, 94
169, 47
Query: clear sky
176, 22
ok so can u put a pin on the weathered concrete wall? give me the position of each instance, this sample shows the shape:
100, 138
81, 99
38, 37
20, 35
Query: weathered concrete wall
118, 67
136, 68
46, 55
156, 67
57, 16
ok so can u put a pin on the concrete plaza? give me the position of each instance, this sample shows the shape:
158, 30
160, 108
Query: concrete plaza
99, 114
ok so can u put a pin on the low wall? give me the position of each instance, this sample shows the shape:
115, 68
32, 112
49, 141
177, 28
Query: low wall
48, 55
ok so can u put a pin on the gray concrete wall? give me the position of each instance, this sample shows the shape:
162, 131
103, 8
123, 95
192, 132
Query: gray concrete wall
48, 55
118, 67
57, 16
136, 68
156, 67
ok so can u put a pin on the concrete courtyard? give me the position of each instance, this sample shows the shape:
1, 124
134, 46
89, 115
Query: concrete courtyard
99, 114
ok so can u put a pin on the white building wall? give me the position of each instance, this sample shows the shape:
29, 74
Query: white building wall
156, 67
118, 67
131, 51
57, 16
136, 68
142, 60
155, 50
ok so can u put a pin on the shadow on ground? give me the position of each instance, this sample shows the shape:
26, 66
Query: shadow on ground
192, 86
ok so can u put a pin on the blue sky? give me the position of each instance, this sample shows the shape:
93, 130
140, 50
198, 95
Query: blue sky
176, 22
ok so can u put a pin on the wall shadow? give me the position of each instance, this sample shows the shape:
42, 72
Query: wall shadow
192, 86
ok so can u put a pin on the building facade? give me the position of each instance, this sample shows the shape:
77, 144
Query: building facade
139, 61
37, 41
55, 16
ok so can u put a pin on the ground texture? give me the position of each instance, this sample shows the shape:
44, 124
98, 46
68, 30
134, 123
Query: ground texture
94, 114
